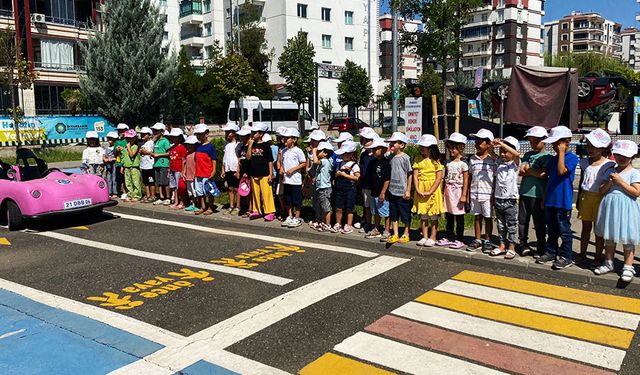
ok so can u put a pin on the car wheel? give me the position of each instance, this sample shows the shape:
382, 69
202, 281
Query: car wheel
14, 217
585, 90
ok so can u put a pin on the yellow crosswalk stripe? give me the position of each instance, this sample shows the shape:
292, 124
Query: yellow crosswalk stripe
331, 363
4, 241
611, 336
626, 304
82, 227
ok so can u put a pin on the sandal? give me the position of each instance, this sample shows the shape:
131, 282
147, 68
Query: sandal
496, 252
510, 254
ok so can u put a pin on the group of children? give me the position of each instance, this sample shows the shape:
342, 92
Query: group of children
517, 189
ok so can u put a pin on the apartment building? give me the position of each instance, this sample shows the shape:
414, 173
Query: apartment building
200, 24
410, 64
583, 32
628, 39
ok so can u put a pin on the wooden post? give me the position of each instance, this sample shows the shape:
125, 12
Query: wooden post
434, 105
457, 113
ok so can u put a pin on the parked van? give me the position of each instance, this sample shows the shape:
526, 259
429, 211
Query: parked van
275, 113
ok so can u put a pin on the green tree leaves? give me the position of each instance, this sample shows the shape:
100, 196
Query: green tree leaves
354, 88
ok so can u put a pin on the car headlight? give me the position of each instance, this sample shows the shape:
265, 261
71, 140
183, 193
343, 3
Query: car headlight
101, 184
36, 194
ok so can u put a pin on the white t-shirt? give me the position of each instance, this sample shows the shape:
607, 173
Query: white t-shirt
146, 161
292, 157
350, 166
507, 179
93, 155
230, 159
455, 172
482, 173
593, 176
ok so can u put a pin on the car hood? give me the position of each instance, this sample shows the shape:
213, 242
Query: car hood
63, 186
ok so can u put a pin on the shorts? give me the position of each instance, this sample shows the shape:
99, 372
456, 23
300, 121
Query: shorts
148, 176
588, 204
199, 186
232, 180
322, 199
191, 189
430, 217
377, 208
366, 198
292, 195
346, 199
481, 208
162, 176
400, 209
174, 178
119, 174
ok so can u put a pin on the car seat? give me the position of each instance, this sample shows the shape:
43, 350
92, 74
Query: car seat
31, 167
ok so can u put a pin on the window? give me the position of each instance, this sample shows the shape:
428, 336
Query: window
517, 60
500, 47
207, 6
207, 29
499, 62
469, 63
564, 48
49, 99
519, 31
302, 10
518, 46
326, 14
484, 61
500, 3
566, 37
485, 47
326, 41
165, 35
519, 16
500, 33
228, 12
485, 17
348, 44
348, 17
163, 3
501, 16
164, 18
469, 47
208, 52
565, 26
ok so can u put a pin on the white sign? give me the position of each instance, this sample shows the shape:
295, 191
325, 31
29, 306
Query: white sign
413, 122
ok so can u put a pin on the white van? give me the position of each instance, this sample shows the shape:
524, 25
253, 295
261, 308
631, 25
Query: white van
275, 113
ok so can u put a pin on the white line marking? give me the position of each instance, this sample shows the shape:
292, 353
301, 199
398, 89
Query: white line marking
545, 305
271, 279
240, 364
9, 334
406, 358
255, 319
523, 337
313, 245
133, 326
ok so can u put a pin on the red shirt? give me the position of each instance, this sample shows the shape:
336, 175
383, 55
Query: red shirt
205, 155
177, 154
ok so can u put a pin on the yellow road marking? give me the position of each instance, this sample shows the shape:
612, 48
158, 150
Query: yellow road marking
4, 241
605, 301
616, 337
82, 227
331, 363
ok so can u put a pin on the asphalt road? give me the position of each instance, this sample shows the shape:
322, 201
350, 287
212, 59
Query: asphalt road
219, 298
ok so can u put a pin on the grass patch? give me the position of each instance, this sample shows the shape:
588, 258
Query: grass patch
52, 155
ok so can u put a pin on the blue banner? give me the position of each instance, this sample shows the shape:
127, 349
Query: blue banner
40, 128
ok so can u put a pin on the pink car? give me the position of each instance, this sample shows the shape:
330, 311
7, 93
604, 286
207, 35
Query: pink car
31, 191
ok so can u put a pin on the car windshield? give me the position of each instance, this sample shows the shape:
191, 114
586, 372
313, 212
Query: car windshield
336, 121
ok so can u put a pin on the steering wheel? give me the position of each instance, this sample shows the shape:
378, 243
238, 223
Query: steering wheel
49, 170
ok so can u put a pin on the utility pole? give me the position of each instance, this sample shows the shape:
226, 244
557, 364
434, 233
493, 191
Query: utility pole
394, 72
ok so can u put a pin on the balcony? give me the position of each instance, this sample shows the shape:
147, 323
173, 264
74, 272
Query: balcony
191, 12
192, 39
59, 67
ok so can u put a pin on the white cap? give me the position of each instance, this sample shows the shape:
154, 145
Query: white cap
427, 140
290, 132
317, 135
91, 134
231, 127
165, 133
191, 140
599, 138
176, 132
398, 136
457, 138
347, 147
368, 133
281, 131
146, 130
325, 146
259, 127
513, 142
557, 133
200, 128
537, 132
378, 142
625, 147
122, 126
158, 126
343, 137
245, 130
266, 138
483, 134
113, 135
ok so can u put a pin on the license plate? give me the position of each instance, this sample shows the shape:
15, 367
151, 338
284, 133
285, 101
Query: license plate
77, 203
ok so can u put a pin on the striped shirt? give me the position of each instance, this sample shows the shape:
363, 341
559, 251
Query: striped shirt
482, 173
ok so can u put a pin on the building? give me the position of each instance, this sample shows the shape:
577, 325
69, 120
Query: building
583, 32
628, 38
200, 24
410, 63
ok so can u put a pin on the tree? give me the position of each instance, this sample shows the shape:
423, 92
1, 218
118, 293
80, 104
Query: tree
15, 73
231, 77
354, 88
253, 47
326, 107
129, 78
387, 94
74, 100
592, 62
187, 89
297, 68
430, 82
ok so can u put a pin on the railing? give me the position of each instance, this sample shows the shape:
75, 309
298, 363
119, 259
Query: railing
190, 7
197, 34
59, 67
6, 13
66, 21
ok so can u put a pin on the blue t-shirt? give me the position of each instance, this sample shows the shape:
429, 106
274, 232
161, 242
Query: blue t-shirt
274, 152
323, 174
560, 188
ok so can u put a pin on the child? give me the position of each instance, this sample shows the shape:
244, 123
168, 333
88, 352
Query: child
619, 213
399, 192
206, 159
367, 135
533, 169
189, 171
558, 201
119, 146
278, 186
160, 155
456, 190
312, 141
335, 158
379, 175
131, 165
293, 162
322, 183
242, 149
93, 155
146, 165
595, 171
427, 177
177, 153
260, 159
506, 196
482, 168
346, 177
109, 164
230, 163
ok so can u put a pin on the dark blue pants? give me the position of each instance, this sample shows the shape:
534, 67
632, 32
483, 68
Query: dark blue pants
559, 227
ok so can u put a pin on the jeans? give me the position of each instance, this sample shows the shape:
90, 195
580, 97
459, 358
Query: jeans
532, 208
458, 222
110, 178
559, 227
507, 219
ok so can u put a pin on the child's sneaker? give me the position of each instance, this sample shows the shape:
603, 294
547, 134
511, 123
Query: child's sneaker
457, 245
235, 211
336, 228
357, 225
123, 196
385, 237
287, 222
392, 239
487, 246
475, 245
347, 229
295, 223
404, 239
429, 243
324, 227
561, 263
628, 272
545, 258
191, 208
422, 242
373, 234
166, 202
270, 217
605, 268
444, 243
158, 202
254, 215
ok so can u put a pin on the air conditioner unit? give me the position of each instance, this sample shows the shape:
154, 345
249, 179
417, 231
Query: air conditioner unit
37, 18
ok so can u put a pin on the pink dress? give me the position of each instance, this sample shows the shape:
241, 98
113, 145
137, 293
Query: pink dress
453, 184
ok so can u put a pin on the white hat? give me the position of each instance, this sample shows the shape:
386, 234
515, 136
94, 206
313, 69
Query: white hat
347, 147
113, 135
343, 137
483, 134
378, 142
317, 135
325, 146
231, 127
537, 132
513, 142
165, 133
368, 133
625, 147
259, 127
176, 132
122, 126
91, 134
146, 130
557, 133
245, 130
457, 138
281, 131
158, 126
266, 138
191, 140
200, 128
291, 132
599, 138
427, 140
398, 136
